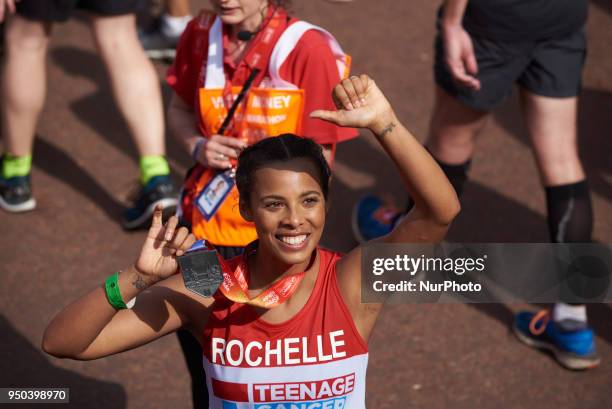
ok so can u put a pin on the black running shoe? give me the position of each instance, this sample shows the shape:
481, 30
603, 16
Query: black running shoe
16, 194
157, 45
158, 191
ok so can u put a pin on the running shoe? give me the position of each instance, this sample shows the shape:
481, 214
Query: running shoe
158, 191
372, 219
574, 349
16, 194
157, 45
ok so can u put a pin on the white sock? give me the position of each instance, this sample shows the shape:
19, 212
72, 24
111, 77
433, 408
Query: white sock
562, 311
174, 26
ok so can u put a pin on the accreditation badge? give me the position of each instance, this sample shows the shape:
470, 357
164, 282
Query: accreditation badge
214, 193
201, 270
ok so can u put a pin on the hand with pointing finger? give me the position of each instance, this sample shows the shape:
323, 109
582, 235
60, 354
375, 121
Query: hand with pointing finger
360, 103
164, 242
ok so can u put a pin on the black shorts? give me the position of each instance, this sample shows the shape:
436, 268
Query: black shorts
550, 68
61, 10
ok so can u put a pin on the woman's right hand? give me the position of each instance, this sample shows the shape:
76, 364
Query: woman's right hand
215, 152
164, 242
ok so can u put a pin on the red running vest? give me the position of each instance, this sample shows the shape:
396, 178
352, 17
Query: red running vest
315, 360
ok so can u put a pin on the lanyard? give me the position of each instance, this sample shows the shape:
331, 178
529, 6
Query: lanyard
257, 57
245, 89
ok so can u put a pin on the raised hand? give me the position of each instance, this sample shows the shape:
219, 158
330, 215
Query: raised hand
164, 242
7, 6
360, 104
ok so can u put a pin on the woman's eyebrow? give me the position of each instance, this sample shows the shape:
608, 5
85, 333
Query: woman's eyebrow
311, 192
276, 197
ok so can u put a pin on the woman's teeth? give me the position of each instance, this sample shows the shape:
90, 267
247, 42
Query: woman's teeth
293, 240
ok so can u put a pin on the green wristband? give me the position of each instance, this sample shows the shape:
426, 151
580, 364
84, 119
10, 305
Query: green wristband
112, 292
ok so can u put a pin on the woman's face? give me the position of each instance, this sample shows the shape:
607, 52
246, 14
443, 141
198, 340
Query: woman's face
246, 13
288, 209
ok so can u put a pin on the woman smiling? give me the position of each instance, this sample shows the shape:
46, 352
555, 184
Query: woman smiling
284, 68
287, 326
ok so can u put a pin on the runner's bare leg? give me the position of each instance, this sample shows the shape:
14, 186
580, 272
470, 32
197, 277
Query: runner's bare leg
551, 124
453, 129
23, 82
134, 81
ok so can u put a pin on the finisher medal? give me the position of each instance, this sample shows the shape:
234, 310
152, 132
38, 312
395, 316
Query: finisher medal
201, 270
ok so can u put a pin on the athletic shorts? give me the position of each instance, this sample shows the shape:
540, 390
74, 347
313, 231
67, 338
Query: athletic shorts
550, 68
61, 10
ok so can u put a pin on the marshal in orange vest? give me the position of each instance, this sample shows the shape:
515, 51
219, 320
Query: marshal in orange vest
272, 107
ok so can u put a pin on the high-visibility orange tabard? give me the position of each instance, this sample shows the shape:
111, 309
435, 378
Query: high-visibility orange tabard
272, 107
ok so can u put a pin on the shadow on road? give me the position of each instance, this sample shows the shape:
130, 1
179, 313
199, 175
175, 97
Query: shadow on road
29, 367
55, 162
489, 217
108, 122
600, 316
594, 138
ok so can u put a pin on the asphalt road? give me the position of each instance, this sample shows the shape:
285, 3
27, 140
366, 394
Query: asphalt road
421, 356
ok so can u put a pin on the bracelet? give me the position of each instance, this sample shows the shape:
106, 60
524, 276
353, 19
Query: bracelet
114, 295
195, 153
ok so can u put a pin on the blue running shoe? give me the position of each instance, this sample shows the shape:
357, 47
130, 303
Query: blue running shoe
572, 349
372, 219
158, 191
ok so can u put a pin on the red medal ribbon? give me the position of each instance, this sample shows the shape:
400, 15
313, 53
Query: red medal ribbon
235, 286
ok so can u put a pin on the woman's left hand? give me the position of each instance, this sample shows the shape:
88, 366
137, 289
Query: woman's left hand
164, 242
360, 104
7, 6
